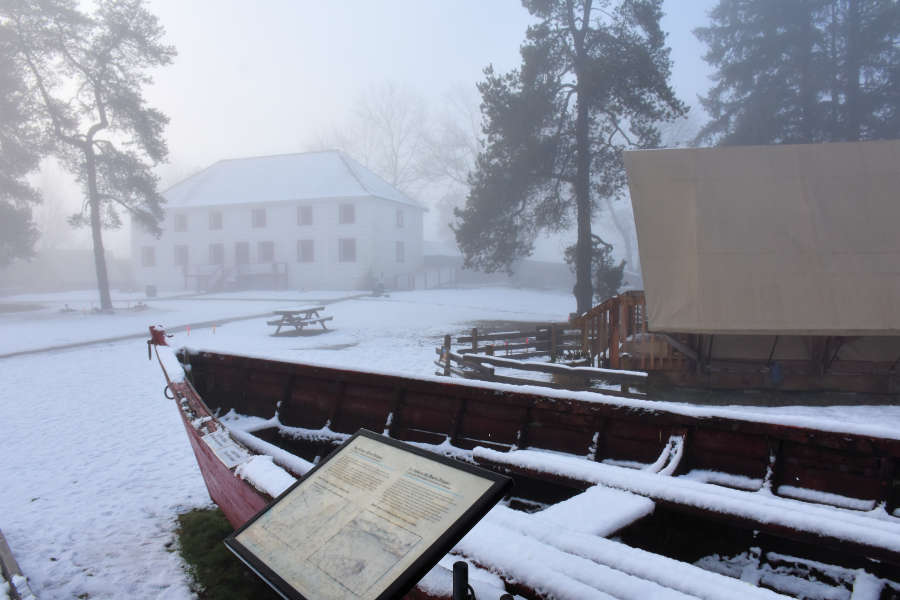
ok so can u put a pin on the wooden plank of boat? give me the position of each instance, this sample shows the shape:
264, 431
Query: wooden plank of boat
238, 500
556, 555
305, 397
875, 534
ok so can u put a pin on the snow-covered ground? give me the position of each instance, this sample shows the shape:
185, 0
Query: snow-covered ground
68, 317
94, 463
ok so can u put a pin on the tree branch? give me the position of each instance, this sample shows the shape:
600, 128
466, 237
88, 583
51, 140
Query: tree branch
45, 95
618, 129
94, 83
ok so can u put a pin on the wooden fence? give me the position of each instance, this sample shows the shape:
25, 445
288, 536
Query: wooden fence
558, 341
504, 356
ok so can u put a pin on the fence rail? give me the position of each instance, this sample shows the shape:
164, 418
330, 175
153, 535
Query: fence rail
504, 356
556, 340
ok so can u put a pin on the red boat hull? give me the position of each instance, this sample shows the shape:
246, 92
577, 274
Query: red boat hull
238, 499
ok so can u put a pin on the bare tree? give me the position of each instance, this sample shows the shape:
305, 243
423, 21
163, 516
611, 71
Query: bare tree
452, 143
384, 131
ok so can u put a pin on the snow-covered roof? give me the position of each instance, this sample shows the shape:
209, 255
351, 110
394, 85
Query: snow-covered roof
305, 176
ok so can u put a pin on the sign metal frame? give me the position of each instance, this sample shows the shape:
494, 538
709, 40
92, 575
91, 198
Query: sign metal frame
427, 557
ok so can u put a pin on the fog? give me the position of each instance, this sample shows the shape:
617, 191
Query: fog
277, 77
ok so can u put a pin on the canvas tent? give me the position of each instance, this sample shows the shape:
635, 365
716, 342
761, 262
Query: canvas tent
778, 240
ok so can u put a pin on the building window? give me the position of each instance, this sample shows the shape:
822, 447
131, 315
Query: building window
305, 251
259, 217
180, 222
242, 253
181, 256
216, 254
347, 250
215, 219
399, 217
346, 214
265, 252
148, 256
304, 215
399, 251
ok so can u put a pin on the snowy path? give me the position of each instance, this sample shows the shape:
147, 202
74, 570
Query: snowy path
48, 328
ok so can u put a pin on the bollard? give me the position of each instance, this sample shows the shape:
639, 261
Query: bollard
460, 580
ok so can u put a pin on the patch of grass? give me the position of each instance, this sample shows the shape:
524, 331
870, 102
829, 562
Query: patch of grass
217, 573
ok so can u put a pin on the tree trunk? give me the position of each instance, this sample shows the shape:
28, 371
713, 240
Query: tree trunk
853, 119
584, 289
96, 230
584, 246
807, 95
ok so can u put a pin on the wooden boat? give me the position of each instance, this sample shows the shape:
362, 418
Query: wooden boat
699, 501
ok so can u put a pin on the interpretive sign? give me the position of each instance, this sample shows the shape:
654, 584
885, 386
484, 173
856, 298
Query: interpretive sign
367, 522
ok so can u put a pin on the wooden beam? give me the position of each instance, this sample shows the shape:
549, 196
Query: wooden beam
18, 584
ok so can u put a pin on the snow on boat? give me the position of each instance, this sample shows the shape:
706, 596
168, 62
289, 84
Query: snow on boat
614, 497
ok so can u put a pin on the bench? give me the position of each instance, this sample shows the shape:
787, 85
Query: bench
298, 318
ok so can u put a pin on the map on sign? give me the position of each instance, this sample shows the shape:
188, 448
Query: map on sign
367, 522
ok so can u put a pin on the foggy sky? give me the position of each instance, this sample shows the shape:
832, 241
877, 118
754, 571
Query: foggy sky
254, 78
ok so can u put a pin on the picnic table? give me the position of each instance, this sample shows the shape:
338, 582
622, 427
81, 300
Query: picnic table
298, 318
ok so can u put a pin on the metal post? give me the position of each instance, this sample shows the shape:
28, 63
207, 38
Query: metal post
460, 580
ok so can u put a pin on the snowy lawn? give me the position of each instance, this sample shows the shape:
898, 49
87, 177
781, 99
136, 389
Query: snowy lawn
67, 317
95, 463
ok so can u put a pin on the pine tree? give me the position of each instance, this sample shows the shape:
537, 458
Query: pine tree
86, 72
20, 152
593, 81
795, 71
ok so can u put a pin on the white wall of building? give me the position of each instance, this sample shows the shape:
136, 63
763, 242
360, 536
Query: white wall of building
375, 230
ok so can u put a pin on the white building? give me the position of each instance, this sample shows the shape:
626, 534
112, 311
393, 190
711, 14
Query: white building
317, 220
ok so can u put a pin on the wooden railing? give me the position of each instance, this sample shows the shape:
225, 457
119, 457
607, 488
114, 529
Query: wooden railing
553, 340
615, 336
512, 357
606, 325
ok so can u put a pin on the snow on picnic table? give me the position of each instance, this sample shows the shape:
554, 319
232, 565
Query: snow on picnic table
96, 464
